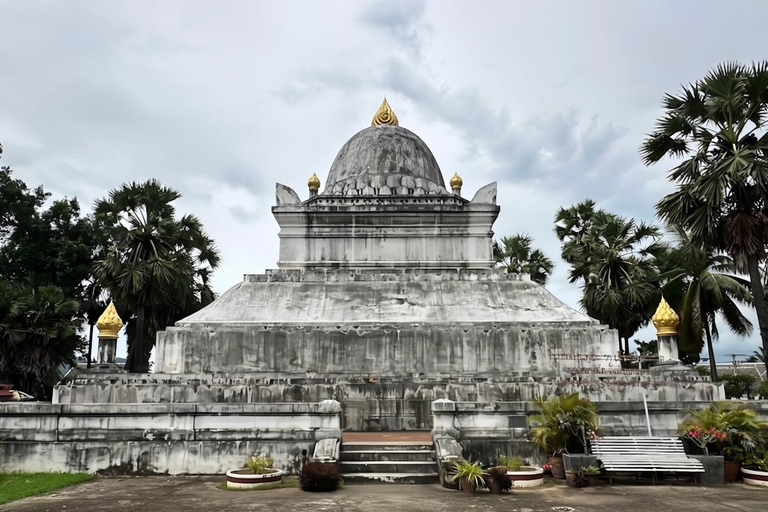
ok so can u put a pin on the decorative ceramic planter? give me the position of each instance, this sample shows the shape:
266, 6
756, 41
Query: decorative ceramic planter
526, 476
468, 486
753, 476
245, 479
731, 471
558, 470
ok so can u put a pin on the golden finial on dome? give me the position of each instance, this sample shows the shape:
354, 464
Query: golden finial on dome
109, 323
385, 115
314, 182
665, 320
456, 181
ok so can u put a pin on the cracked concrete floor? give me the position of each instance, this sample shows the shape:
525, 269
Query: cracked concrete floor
199, 494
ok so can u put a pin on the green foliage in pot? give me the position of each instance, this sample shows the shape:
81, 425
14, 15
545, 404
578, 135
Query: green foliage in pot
576, 477
732, 427
260, 465
757, 461
591, 470
562, 417
319, 477
511, 462
499, 474
469, 471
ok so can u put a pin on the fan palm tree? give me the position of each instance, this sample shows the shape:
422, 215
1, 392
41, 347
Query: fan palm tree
38, 333
705, 291
717, 125
613, 257
157, 268
515, 253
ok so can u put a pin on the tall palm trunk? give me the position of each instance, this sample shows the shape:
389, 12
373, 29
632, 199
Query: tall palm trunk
135, 362
758, 294
711, 350
90, 347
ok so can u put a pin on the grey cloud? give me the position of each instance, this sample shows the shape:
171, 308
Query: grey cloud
402, 20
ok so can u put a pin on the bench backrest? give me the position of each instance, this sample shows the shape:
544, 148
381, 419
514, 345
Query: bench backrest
627, 445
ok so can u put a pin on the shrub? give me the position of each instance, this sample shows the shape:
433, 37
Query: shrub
319, 477
763, 390
260, 465
591, 470
470, 471
703, 371
499, 474
728, 425
577, 477
561, 418
737, 386
511, 462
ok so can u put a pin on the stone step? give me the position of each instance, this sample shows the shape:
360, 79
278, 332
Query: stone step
386, 466
385, 446
391, 478
388, 455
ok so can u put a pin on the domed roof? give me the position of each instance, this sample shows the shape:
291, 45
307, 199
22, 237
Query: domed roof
383, 160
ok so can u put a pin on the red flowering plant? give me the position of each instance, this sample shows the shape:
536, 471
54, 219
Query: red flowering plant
728, 425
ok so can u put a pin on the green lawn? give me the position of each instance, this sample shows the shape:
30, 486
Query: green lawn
15, 486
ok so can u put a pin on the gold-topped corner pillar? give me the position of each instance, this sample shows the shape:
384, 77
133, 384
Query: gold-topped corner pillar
313, 183
109, 325
666, 320
456, 184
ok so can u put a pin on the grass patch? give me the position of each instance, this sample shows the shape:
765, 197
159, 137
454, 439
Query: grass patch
287, 481
15, 486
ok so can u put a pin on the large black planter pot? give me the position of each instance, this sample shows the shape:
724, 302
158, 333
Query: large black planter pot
714, 469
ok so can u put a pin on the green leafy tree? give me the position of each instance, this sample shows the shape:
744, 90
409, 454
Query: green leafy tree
517, 255
38, 334
698, 277
717, 127
157, 267
614, 259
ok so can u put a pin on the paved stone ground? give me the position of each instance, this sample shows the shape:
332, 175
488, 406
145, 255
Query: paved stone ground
182, 494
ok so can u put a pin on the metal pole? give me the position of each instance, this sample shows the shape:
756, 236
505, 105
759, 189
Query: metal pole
647, 416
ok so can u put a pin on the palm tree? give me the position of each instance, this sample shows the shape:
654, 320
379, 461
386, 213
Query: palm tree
718, 126
758, 356
157, 268
515, 253
38, 334
613, 257
705, 291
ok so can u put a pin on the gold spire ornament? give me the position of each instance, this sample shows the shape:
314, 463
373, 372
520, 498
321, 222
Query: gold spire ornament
109, 323
314, 182
385, 115
665, 320
456, 181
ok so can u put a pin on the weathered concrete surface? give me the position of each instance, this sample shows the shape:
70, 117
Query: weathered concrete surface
160, 438
160, 494
376, 155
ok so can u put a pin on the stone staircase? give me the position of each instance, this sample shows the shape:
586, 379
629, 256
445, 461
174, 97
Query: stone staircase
395, 462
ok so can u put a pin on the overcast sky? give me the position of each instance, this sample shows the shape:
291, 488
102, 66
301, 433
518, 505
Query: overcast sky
222, 99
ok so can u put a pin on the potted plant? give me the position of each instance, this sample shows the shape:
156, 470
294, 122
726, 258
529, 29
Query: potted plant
732, 430
593, 475
562, 419
755, 470
319, 477
520, 474
469, 475
498, 480
258, 472
576, 477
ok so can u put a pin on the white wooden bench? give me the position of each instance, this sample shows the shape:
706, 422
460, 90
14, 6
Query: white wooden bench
644, 455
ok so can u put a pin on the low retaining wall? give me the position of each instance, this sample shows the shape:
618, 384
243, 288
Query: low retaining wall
487, 430
160, 438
